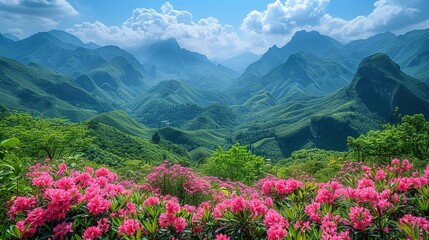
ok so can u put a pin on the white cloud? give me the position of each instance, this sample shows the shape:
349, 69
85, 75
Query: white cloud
31, 15
207, 35
281, 19
259, 29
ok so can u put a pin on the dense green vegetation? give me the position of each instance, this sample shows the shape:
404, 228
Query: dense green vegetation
236, 164
410, 139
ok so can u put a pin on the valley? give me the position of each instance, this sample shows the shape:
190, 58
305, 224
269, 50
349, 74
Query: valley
312, 92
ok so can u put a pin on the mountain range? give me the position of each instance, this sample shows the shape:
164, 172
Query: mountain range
312, 92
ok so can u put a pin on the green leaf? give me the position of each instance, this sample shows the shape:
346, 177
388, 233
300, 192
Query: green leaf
10, 143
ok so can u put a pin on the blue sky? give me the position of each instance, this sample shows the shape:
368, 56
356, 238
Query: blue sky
227, 11
217, 28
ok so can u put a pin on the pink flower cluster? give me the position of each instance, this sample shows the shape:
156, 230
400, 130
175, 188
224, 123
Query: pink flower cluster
280, 187
169, 218
276, 225
94, 204
57, 197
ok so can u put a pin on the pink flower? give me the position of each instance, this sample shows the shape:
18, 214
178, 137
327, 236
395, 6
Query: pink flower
360, 218
222, 237
98, 205
103, 224
380, 175
21, 204
166, 220
276, 232
268, 187
65, 183
102, 172
61, 230
151, 201
36, 217
44, 180
131, 207
368, 194
172, 207
237, 204
129, 227
329, 192
21, 225
303, 225
257, 207
92, 233
287, 186
365, 183
421, 222
269, 202
272, 218
62, 168
312, 211
406, 165
59, 203
180, 224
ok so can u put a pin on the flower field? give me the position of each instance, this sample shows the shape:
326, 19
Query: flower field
363, 202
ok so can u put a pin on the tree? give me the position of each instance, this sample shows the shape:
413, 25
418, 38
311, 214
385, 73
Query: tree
53, 138
410, 139
156, 138
237, 164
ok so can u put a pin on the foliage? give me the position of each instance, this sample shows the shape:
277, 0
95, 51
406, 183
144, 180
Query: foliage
156, 138
319, 163
46, 137
409, 139
12, 170
236, 164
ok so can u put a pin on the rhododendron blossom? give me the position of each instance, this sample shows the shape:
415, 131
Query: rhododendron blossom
91, 233
94, 204
360, 217
129, 227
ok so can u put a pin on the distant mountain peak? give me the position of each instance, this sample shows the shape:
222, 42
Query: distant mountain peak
170, 43
305, 34
381, 62
11, 36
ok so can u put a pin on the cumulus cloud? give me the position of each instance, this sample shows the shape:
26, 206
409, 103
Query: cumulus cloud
283, 18
206, 35
24, 15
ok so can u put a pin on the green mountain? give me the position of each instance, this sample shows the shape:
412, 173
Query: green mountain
303, 41
117, 148
181, 105
123, 122
45, 49
72, 39
35, 88
175, 93
11, 36
302, 73
369, 101
166, 60
66, 53
410, 51
209, 139
240, 62
259, 102
110, 52
120, 79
